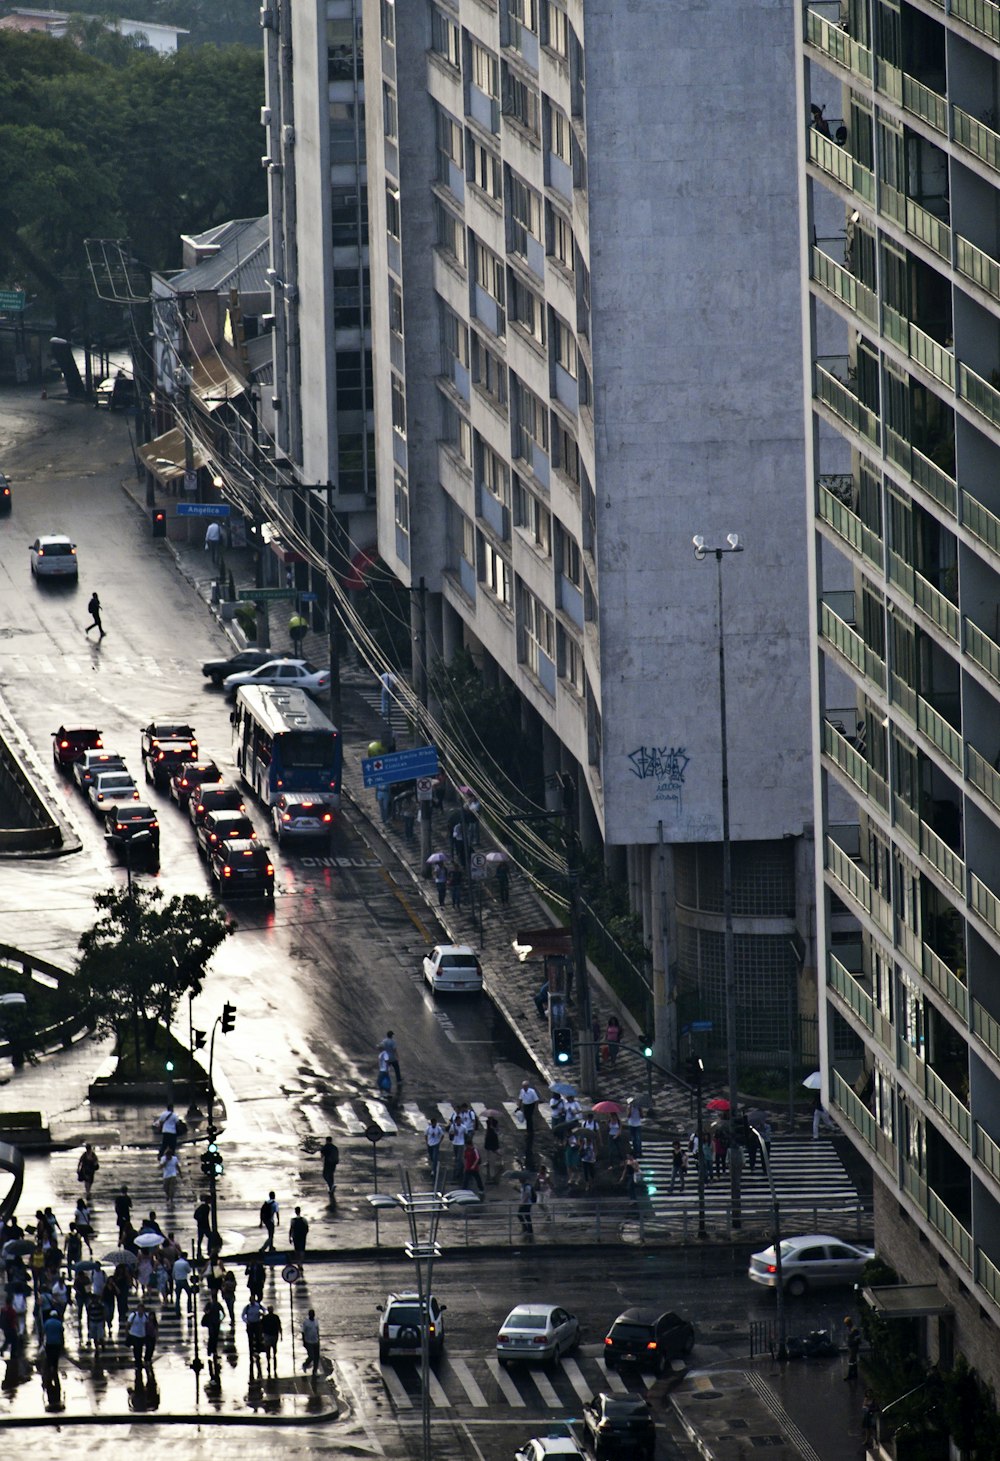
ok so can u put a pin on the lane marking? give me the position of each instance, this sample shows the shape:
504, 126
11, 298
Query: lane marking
510, 1390
575, 1376
351, 1385
380, 1114
546, 1389
613, 1379
414, 1115
469, 1383
436, 1391
396, 1389
353, 1126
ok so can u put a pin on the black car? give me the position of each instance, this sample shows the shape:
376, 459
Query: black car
188, 777
5, 497
217, 826
214, 797
648, 1337
216, 670
166, 745
124, 823
620, 1425
241, 867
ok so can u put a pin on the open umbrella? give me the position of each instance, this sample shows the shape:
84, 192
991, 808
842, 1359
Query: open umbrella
562, 1088
607, 1108
717, 1103
437, 857
496, 857
16, 1248
118, 1256
149, 1240
465, 791
86, 1265
490, 1111
813, 1082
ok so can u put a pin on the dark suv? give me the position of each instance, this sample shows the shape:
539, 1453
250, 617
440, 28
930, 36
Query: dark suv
167, 744
620, 1426
188, 777
214, 796
124, 822
216, 670
649, 1338
216, 827
241, 867
69, 745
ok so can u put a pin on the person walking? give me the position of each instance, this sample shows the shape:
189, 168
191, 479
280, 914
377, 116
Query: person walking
53, 1338
491, 1146
455, 885
137, 1332
255, 1279
253, 1316
213, 540
268, 1221
630, 1174
228, 1292
503, 884
298, 1232
181, 1277
433, 1137
387, 682
297, 627
152, 1335
310, 1338
94, 610
527, 1101
869, 1420
331, 1158
821, 1117
86, 1169
456, 1135
270, 1331
212, 1322
720, 1150
588, 1161
123, 1211
441, 881
852, 1339
97, 1323
392, 1051
170, 1162
633, 1121
470, 1166
203, 1225
525, 1199
166, 1124
678, 1166
613, 1039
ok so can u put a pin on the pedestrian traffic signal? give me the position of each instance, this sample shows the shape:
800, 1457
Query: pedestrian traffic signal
159, 523
207, 1163
562, 1044
228, 1017
199, 1039
169, 1067
215, 1167
647, 1047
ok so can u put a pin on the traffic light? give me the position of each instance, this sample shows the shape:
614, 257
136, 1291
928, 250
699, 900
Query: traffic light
169, 1067
562, 1045
215, 1165
207, 1163
646, 1046
228, 1017
199, 1039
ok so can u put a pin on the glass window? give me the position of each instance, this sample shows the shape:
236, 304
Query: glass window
489, 371
570, 661
532, 517
493, 473
340, 50
564, 350
521, 102
561, 239
402, 502
490, 272
497, 574
485, 70
450, 233
527, 309
398, 405
389, 21
456, 431
454, 339
524, 12
566, 453
531, 427
392, 218
556, 29
560, 135
446, 39
538, 631
572, 563
524, 216
449, 141
389, 109
395, 308
468, 540
484, 168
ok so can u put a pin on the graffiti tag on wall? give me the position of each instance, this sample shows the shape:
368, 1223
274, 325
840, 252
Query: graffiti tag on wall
664, 765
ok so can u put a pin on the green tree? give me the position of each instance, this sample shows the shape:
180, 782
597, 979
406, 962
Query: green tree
143, 955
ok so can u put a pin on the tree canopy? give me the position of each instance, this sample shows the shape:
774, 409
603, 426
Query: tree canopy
143, 146
143, 955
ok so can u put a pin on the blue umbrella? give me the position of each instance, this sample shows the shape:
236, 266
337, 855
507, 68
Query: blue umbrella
562, 1089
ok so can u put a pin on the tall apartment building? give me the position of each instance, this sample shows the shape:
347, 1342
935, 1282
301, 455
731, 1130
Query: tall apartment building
587, 346
901, 233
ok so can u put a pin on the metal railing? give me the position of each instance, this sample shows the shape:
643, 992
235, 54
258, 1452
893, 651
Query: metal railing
947, 983
982, 15
976, 138
986, 1028
984, 902
838, 163
944, 1221
980, 647
948, 1105
850, 644
943, 735
982, 775
981, 522
977, 265
929, 105
980, 394
845, 403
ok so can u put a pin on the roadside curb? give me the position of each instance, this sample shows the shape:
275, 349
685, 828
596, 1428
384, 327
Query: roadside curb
159, 1417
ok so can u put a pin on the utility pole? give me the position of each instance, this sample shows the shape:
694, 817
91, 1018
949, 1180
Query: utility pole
333, 614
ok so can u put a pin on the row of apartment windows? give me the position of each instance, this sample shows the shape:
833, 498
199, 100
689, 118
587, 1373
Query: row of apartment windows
524, 24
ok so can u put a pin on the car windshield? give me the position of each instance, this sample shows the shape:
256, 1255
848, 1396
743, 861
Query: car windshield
626, 1409
456, 961
521, 1319
631, 1331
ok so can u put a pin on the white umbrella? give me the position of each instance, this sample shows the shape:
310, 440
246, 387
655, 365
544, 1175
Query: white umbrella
496, 857
149, 1240
437, 857
813, 1082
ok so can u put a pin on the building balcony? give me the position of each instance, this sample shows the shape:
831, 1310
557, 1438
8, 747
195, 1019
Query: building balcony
980, 394
975, 264
921, 470
931, 847
834, 386
849, 643
930, 601
981, 649
832, 41
982, 775
855, 887
981, 15
848, 526
945, 981
859, 1001
922, 348
837, 163
986, 1151
857, 1115
918, 221
854, 766
842, 285
975, 138
986, 1028
925, 718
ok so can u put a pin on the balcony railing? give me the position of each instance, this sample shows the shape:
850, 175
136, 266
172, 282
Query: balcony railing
947, 1104
984, 902
844, 402
987, 1151
843, 982
944, 1221
978, 266
850, 644
982, 15
940, 855
854, 765
938, 730
903, 695
906, 819
933, 357
849, 526
842, 284
981, 649
838, 45
977, 138
926, 226
980, 394
838, 163
848, 874
982, 775
986, 1028
982, 523
921, 469
926, 104
939, 609
947, 984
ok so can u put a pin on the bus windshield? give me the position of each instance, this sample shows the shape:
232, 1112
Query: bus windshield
307, 750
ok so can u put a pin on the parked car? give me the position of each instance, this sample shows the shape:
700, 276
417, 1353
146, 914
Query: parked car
537, 1332
648, 1337
133, 828
401, 1322
620, 1426
301, 816
214, 796
453, 968
241, 867
6, 500
68, 746
115, 393
165, 745
293, 674
560, 1441
92, 763
111, 786
216, 826
53, 556
216, 670
189, 776
812, 1260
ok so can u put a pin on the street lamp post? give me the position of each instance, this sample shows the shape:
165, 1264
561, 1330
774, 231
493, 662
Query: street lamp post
701, 551
698, 1073
782, 1354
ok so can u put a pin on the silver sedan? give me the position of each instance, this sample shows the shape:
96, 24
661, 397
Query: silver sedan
537, 1332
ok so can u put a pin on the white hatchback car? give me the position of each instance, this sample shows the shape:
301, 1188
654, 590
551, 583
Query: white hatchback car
453, 969
54, 556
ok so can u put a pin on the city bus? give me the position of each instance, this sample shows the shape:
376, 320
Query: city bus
282, 742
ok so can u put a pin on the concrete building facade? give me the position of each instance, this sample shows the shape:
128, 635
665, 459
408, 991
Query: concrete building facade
901, 257
585, 354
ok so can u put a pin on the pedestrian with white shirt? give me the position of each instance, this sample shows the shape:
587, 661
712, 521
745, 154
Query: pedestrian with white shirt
166, 1124
171, 1171
392, 1052
634, 1123
310, 1338
181, 1275
434, 1136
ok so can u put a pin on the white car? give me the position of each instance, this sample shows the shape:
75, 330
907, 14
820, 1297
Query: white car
454, 969
560, 1441
537, 1332
292, 674
109, 787
92, 763
813, 1260
54, 556
301, 816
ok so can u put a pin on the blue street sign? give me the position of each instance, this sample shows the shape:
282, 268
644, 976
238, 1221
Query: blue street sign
308, 598
700, 1027
203, 509
400, 766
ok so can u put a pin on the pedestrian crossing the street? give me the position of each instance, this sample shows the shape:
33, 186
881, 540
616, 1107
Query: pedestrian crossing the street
480, 1382
356, 1116
808, 1176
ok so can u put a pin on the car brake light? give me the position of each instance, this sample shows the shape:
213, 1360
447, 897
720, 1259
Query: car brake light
539, 1339
135, 796
286, 816
651, 1344
270, 870
609, 1340
327, 817
153, 826
64, 745
772, 1268
227, 872
280, 782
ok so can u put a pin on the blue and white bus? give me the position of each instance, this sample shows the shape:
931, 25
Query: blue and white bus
283, 742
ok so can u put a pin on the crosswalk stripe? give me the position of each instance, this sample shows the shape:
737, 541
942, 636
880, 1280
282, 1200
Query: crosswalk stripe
512, 1395
380, 1115
575, 1375
612, 1379
396, 1389
469, 1384
545, 1112
516, 1115
479, 1107
413, 1114
545, 1388
353, 1126
437, 1392
447, 1111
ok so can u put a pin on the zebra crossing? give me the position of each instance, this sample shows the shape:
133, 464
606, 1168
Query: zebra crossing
479, 1382
357, 1115
809, 1177
81, 666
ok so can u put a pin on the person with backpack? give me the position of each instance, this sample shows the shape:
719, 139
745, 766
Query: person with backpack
470, 1166
268, 1221
94, 610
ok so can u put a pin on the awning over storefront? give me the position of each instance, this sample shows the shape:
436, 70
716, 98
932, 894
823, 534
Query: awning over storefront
214, 382
537, 943
271, 534
359, 568
164, 456
907, 1301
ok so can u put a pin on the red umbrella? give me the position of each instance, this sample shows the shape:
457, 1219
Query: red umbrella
607, 1108
717, 1103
